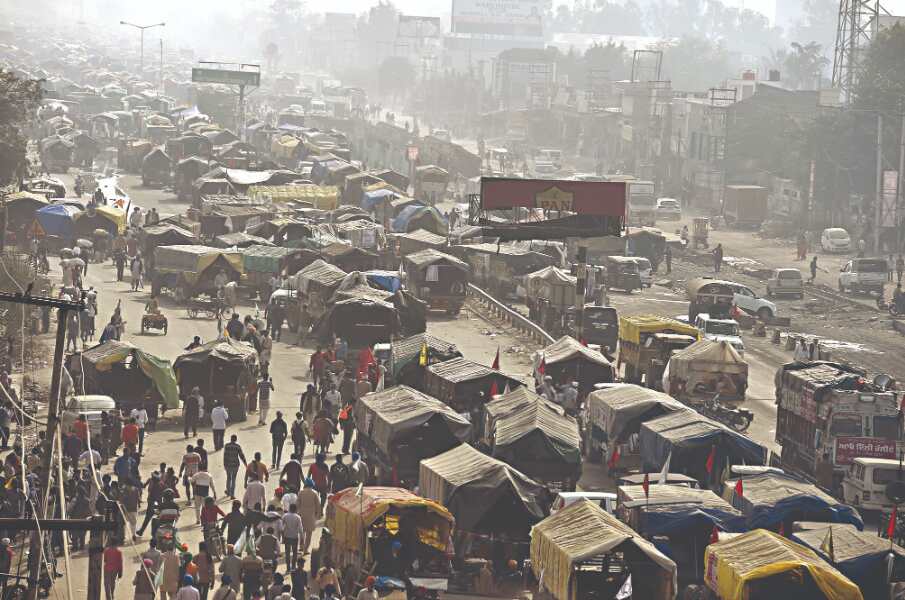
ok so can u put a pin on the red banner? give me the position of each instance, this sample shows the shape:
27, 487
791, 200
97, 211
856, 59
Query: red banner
599, 198
849, 448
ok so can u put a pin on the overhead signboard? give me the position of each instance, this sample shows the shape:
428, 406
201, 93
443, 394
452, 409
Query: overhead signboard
226, 76
499, 17
598, 198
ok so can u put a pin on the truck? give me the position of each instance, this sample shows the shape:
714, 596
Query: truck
646, 343
745, 205
829, 414
642, 203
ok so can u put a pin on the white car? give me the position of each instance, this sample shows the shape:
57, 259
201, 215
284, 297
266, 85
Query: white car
835, 239
669, 209
606, 500
91, 406
720, 330
863, 275
745, 298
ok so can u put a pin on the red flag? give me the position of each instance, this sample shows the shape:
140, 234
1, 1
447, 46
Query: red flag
583, 342
891, 528
782, 529
542, 367
614, 458
496, 361
739, 489
714, 535
494, 390
710, 458
646, 485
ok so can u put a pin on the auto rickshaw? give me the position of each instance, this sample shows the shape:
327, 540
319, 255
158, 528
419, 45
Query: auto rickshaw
700, 230
622, 273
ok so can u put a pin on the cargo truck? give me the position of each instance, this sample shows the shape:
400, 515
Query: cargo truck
745, 205
642, 203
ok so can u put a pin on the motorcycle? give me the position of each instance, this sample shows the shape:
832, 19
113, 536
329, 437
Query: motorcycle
738, 419
888, 305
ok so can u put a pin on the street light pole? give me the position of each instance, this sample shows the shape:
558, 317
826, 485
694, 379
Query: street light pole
141, 29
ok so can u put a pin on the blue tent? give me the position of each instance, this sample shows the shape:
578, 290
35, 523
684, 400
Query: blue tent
667, 520
385, 280
58, 219
371, 199
415, 214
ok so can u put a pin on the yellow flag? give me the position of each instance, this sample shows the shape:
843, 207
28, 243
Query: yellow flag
827, 546
422, 359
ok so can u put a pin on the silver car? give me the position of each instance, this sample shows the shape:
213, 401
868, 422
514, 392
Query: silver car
91, 406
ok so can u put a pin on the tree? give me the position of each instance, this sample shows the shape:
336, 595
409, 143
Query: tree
395, 74
19, 100
804, 66
610, 58
695, 63
881, 83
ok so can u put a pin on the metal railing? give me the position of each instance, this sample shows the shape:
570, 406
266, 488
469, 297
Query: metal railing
519, 321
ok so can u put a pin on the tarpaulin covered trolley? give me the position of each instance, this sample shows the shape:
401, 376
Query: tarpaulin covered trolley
222, 370
584, 552
460, 383
567, 360
438, 279
762, 565
705, 368
363, 526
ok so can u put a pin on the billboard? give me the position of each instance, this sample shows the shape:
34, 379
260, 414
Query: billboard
596, 198
499, 17
227, 76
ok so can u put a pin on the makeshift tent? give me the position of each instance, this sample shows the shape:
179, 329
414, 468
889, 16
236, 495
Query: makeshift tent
58, 219
324, 197
617, 412
167, 234
348, 257
753, 565
861, 556
772, 498
21, 208
110, 369
239, 239
511, 402
703, 363
690, 438
460, 382
542, 443
405, 356
673, 509
221, 369
319, 274
543, 283
567, 359
401, 426
110, 219
416, 217
390, 281
567, 548
485, 495
372, 198
419, 239
363, 320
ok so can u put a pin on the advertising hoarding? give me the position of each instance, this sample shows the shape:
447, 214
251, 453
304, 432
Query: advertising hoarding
499, 17
598, 198
226, 76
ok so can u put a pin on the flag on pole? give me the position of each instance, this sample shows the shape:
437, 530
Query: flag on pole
827, 546
714, 535
710, 458
646, 486
422, 358
542, 367
891, 527
739, 489
626, 590
664, 474
496, 361
506, 389
494, 390
583, 342
614, 458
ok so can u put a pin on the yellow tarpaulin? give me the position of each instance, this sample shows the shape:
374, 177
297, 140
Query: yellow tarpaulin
731, 566
324, 197
285, 146
631, 328
116, 215
348, 515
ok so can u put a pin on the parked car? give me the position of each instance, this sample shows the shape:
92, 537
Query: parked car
669, 209
785, 281
606, 500
720, 330
745, 298
863, 275
835, 239
91, 406
864, 485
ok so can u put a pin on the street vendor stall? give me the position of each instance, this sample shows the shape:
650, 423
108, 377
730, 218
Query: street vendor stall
567, 360
616, 413
388, 532
771, 499
584, 552
698, 446
681, 518
761, 565
704, 369
485, 495
127, 374
222, 370
859, 555
400, 426
541, 442
409, 358
465, 385
438, 279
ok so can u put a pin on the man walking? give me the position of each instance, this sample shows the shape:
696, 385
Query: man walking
219, 417
717, 258
297, 433
140, 416
191, 464
900, 267
292, 530
813, 269
232, 456
113, 568
278, 433
265, 386
190, 411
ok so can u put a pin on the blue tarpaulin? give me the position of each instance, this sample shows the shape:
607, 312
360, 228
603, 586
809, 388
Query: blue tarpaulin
371, 199
385, 280
667, 520
414, 212
766, 516
57, 219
